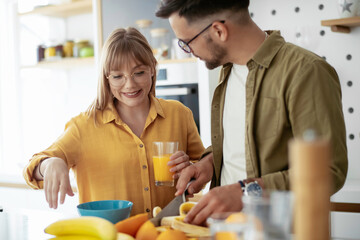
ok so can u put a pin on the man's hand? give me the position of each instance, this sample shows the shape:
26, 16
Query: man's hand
219, 199
200, 172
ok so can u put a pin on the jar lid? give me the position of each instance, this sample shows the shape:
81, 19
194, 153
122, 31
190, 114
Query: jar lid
81, 41
143, 23
158, 32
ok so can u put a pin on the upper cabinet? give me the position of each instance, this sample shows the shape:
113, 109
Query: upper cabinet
68, 28
342, 25
63, 10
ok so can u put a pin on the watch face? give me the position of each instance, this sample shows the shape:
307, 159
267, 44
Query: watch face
254, 189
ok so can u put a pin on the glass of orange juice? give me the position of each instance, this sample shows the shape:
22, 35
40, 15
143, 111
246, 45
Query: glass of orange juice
161, 156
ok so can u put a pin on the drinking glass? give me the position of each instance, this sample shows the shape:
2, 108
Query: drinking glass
223, 229
271, 215
161, 156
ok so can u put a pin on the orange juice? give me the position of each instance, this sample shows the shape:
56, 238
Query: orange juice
163, 176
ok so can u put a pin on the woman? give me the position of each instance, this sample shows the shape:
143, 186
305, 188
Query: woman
109, 146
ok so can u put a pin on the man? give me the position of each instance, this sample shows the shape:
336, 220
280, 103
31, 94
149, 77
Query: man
269, 92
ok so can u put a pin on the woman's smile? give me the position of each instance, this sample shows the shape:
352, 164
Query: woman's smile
132, 94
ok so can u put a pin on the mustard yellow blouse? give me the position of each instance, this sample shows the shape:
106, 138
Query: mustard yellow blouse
110, 162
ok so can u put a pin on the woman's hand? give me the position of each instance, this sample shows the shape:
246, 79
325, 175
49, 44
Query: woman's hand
179, 161
56, 179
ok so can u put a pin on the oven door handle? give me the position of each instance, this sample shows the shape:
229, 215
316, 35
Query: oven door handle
173, 91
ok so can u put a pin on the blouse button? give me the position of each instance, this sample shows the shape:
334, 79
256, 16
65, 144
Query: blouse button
144, 166
141, 145
146, 189
147, 210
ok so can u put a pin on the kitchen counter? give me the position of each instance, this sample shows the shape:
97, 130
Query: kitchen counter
23, 224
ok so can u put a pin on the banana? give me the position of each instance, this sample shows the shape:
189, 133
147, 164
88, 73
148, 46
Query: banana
124, 236
189, 229
167, 221
88, 226
156, 211
186, 207
75, 237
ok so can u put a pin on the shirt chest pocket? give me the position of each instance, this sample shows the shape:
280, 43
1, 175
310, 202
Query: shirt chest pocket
267, 118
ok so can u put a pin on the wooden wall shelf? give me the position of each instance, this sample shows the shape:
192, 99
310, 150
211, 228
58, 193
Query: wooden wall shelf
63, 10
342, 25
64, 63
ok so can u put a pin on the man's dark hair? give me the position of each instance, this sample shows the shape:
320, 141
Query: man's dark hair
196, 9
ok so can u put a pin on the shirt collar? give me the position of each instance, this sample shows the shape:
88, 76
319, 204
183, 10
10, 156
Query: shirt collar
270, 47
266, 52
110, 114
155, 108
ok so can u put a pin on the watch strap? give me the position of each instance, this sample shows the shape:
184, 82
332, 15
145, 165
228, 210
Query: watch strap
242, 185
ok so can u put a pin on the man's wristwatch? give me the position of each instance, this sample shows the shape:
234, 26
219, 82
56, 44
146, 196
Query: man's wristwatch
251, 189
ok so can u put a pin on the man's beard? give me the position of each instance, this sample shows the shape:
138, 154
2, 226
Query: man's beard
217, 53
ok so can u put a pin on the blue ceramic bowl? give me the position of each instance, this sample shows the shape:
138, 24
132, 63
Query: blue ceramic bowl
112, 210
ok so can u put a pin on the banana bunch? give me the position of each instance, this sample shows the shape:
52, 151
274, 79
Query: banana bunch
86, 228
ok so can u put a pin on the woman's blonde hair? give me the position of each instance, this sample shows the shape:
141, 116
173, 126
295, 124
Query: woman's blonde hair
120, 47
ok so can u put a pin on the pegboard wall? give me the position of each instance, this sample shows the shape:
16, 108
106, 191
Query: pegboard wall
300, 23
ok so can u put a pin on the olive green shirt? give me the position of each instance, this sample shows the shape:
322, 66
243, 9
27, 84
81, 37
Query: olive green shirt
288, 91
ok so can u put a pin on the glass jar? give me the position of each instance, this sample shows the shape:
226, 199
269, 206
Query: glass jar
144, 28
40, 53
50, 53
68, 48
78, 45
159, 43
59, 50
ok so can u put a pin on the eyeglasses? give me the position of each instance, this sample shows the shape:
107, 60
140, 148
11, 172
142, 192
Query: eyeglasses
139, 76
185, 45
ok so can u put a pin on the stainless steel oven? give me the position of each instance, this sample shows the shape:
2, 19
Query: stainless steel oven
179, 81
188, 94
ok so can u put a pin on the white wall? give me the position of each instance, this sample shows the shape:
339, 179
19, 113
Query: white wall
47, 98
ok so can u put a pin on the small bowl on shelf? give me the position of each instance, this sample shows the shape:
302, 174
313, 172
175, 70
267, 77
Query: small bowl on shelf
112, 210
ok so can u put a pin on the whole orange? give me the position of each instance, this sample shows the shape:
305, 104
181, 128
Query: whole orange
147, 231
172, 234
132, 224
